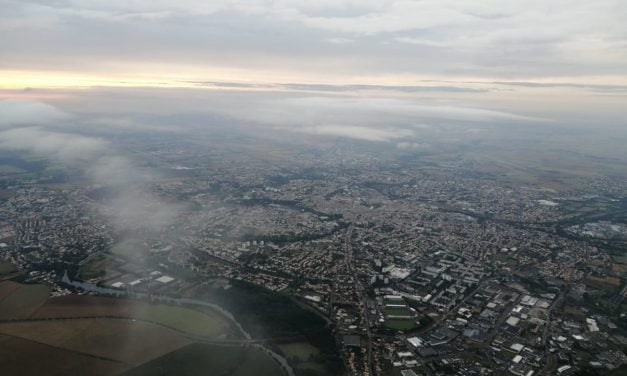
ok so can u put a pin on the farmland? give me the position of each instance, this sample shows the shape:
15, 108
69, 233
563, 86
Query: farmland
216, 360
73, 333
7, 287
123, 341
22, 301
16, 358
205, 324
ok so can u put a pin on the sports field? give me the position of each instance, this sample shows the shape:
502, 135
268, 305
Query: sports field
400, 324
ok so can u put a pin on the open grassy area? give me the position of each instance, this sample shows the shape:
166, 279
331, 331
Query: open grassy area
620, 259
264, 313
393, 301
200, 359
301, 355
603, 283
128, 248
397, 311
187, 320
98, 266
400, 324
6, 268
506, 259
619, 268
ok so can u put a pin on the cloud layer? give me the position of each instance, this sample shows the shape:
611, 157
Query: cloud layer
26, 112
364, 118
347, 38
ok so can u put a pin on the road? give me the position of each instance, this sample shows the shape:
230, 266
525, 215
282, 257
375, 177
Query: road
361, 292
545, 333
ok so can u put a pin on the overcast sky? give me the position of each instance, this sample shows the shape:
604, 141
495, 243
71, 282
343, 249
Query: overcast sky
524, 57
321, 40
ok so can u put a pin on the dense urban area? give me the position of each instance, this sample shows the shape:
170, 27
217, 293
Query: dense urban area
423, 263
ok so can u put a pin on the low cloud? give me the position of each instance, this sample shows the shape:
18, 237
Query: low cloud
357, 132
65, 148
131, 204
412, 145
329, 88
370, 119
19, 112
122, 124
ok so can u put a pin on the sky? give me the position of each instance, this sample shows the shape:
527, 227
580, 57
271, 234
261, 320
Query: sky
492, 60
395, 42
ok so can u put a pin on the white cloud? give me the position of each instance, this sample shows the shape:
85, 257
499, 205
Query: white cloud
362, 118
340, 40
14, 112
366, 110
357, 132
62, 147
485, 38
411, 145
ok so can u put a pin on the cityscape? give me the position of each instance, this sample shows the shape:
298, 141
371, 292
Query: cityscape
313, 188
410, 269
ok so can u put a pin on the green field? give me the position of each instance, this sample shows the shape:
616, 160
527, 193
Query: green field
97, 266
128, 248
301, 355
203, 324
620, 259
200, 359
397, 311
400, 324
393, 301
6, 268
506, 259
264, 313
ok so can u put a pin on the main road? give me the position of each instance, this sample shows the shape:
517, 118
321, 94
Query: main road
360, 290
